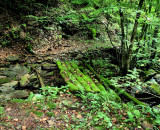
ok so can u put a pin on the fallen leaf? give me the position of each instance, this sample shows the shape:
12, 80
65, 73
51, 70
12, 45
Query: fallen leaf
79, 116
114, 120
44, 119
8, 109
23, 127
50, 122
147, 125
15, 119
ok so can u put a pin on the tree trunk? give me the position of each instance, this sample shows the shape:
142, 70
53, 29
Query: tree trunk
123, 44
134, 32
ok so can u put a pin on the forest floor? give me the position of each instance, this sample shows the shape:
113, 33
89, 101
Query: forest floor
33, 116
64, 113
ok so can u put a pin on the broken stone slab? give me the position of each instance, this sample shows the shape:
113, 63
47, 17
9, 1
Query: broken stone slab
48, 66
24, 80
4, 79
14, 94
7, 87
49, 73
13, 58
14, 71
32, 78
39, 61
48, 58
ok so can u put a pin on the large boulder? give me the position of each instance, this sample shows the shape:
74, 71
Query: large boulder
14, 94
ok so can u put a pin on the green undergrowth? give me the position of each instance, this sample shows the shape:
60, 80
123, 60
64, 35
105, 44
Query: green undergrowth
95, 110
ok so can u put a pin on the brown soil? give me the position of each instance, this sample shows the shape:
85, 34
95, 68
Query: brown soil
21, 116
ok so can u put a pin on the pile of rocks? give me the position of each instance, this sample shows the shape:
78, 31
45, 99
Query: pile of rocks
17, 80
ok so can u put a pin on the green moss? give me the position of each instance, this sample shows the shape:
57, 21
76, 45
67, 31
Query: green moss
99, 85
85, 85
91, 83
74, 85
59, 65
156, 87
4, 80
85, 78
24, 80
75, 78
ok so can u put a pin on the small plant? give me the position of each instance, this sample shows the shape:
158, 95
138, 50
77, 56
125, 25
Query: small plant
18, 101
38, 113
50, 92
50, 114
1, 112
51, 105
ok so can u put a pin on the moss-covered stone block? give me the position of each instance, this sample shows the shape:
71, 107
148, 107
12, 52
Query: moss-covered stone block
24, 80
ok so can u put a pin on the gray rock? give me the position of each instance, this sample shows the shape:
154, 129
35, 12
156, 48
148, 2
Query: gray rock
49, 66
14, 94
7, 87
79, 56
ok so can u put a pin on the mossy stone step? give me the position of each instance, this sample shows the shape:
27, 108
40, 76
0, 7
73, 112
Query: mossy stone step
77, 80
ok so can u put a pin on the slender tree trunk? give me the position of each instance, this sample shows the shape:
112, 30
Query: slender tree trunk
123, 44
134, 32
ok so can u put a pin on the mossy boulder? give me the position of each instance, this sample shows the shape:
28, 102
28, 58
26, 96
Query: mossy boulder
32, 78
14, 71
4, 79
24, 80
7, 87
49, 73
